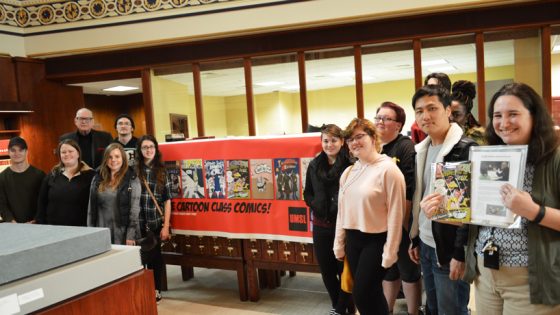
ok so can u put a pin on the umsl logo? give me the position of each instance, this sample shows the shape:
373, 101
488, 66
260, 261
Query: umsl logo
297, 219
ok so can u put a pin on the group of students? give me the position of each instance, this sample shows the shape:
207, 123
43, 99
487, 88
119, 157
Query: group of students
126, 192
371, 204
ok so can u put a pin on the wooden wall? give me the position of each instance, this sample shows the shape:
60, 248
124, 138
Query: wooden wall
105, 108
54, 106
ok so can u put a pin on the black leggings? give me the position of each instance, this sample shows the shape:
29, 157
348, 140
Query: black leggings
154, 260
331, 268
364, 252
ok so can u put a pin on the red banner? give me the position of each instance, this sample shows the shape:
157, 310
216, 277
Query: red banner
250, 187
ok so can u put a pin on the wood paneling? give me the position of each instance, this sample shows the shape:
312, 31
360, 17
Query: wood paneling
249, 94
480, 78
106, 108
546, 67
198, 100
133, 294
359, 81
302, 91
54, 106
148, 105
535, 14
8, 84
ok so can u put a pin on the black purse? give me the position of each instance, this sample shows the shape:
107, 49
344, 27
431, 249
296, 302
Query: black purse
148, 242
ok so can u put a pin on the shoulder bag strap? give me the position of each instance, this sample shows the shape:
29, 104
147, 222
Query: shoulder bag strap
153, 197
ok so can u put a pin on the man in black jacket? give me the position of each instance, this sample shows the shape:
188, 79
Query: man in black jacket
92, 142
438, 246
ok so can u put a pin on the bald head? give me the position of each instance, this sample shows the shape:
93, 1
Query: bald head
84, 120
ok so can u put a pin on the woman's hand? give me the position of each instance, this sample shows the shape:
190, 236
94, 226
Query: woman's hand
164, 234
519, 202
130, 242
430, 204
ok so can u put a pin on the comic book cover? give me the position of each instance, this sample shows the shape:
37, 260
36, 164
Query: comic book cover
262, 186
191, 178
452, 180
304, 165
215, 179
174, 173
237, 176
286, 172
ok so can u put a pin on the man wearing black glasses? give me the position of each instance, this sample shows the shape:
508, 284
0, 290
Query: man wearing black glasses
92, 142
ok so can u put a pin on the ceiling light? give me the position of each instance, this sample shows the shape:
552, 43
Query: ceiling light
443, 68
556, 49
434, 62
269, 83
342, 74
120, 88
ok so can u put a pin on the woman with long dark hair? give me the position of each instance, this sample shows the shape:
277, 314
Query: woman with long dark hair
157, 185
321, 195
526, 279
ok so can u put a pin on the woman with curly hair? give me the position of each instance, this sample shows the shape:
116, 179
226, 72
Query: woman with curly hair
461, 106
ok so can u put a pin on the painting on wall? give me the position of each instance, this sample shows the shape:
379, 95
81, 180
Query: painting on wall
179, 124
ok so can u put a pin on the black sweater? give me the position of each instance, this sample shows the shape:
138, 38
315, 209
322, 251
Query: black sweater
321, 186
62, 201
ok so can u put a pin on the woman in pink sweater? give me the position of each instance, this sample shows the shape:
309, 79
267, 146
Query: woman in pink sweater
370, 213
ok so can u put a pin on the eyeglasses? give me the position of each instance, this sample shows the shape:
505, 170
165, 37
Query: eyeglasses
357, 137
148, 147
84, 119
383, 119
124, 123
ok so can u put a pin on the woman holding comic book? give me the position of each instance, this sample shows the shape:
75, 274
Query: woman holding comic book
515, 271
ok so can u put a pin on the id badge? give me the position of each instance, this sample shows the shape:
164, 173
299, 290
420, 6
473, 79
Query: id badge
492, 257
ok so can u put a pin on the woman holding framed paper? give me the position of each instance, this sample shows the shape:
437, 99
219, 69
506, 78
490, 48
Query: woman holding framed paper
515, 271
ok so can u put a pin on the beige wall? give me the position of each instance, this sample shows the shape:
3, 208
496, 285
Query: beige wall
528, 62
170, 97
279, 112
555, 74
215, 25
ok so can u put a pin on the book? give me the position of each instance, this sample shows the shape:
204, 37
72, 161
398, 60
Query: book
262, 186
237, 177
452, 180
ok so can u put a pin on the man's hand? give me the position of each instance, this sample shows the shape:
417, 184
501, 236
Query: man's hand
430, 204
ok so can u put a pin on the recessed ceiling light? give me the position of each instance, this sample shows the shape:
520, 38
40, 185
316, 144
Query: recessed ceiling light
120, 88
269, 83
434, 62
556, 48
442, 68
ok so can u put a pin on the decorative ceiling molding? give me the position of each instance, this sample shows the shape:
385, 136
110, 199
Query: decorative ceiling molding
35, 13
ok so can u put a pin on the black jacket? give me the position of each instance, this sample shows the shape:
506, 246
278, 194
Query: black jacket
322, 183
99, 141
124, 196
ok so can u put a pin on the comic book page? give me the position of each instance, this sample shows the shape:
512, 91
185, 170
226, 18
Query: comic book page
174, 173
237, 177
215, 179
452, 180
287, 179
262, 186
191, 178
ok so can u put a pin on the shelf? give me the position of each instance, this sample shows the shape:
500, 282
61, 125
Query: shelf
15, 131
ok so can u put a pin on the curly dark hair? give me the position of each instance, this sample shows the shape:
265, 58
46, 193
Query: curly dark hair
464, 92
543, 141
156, 164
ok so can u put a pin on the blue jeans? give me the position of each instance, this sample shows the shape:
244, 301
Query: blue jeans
443, 295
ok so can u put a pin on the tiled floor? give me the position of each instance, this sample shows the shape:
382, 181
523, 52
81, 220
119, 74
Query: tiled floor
214, 292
